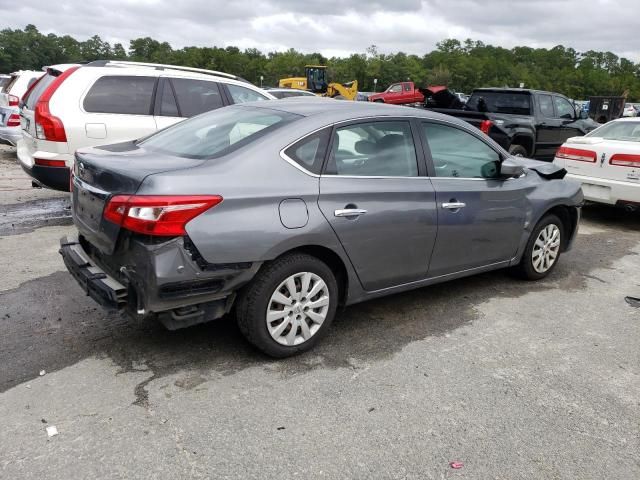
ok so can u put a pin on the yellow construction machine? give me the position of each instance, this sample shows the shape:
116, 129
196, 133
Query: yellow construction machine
315, 80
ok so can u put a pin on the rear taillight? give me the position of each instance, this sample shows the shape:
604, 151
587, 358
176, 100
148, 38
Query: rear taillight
44, 162
13, 101
13, 120
157, 214
48, 126
625, 160
485, 126
576, 154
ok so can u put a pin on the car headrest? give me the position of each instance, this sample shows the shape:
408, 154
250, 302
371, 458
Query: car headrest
365, 147
390, 140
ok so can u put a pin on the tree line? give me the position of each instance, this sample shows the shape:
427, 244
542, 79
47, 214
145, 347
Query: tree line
462, 65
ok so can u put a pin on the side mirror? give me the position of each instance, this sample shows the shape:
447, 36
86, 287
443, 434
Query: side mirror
583, 115
511, 168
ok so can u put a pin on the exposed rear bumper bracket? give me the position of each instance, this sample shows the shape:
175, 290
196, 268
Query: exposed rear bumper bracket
104, 289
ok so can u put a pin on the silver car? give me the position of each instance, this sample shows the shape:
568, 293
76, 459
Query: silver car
285, 211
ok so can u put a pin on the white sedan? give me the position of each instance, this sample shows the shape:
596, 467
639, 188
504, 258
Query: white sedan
607, 163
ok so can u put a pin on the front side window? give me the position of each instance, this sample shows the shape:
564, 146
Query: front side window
563, 108
242, 94
377, 149
546, 106
457, 153
129, 95
309, 152
395, 88
196, 96
217, 133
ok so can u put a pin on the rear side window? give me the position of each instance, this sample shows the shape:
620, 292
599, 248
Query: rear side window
196, 96
129, 95
500, 102
242, 94
38, 90
309, 152
168, 105
377, 149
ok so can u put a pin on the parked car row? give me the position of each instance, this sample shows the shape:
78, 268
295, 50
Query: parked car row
103, 102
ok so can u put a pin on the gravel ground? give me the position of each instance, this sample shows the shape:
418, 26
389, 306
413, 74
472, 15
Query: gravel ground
513, 379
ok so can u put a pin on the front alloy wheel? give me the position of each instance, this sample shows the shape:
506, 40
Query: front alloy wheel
546, 248
298, 308
543, 249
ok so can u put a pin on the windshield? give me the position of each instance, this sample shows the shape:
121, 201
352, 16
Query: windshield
218, 132
500, 102
625, 131
37, 91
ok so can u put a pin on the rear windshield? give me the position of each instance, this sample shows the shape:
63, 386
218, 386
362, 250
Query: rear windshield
218, 132
500, 102
625, 131
4, 81
10, 83
34, 95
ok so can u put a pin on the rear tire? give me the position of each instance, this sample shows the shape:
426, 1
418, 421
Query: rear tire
280, 322
542, 252
517, 151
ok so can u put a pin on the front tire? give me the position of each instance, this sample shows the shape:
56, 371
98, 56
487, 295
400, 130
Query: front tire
542, 252
288, 306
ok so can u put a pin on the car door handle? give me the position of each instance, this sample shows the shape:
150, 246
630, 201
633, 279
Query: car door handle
454, 205
349, 212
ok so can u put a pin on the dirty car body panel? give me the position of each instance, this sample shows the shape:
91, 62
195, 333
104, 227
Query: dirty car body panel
272, 205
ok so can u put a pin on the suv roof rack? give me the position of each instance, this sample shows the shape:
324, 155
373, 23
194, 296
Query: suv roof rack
161, 66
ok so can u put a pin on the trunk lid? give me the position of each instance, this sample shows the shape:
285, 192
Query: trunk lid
100, 173
602, 168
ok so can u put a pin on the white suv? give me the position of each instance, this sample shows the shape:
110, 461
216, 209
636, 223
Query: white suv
104, 102
18, 83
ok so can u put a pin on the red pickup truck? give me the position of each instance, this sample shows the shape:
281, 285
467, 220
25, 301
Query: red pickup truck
400, 94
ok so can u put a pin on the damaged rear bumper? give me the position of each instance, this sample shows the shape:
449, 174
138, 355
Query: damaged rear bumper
166, 284
105, 290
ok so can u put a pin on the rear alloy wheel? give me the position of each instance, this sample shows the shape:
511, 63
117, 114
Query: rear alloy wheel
543, 249
289, 305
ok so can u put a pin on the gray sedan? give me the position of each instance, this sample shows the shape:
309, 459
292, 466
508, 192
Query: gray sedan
285, 211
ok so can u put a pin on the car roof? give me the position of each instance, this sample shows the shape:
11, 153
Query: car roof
160, 68
513, 90
340, 110
284, 89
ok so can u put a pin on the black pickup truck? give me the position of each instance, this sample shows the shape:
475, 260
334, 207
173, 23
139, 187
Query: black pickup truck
530, 123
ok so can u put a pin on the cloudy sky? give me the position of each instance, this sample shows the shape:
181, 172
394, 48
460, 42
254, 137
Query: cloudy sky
412, 26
